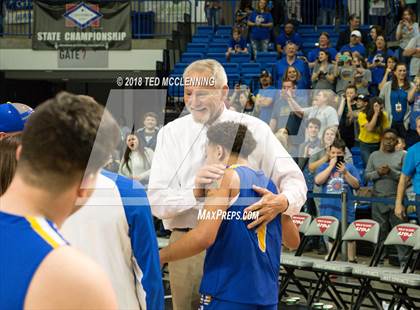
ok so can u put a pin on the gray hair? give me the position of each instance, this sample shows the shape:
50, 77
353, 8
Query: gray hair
212, 66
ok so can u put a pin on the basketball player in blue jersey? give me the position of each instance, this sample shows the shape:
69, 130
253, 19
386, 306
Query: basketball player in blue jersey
38, 269
242, 266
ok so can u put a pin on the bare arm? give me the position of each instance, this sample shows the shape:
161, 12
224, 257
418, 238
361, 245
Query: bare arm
402, 185
315, 165
290, 233
295, 107
353, 181
323, 176
273, 124
398, 33
370, 126
410, 96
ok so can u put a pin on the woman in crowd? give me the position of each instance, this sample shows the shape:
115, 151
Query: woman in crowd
373, 120
242, 16
391, 63
395, 95
261, 23
292, 74
346, 115
406, 30
343, 71
374, 32
283, 136
242, 101
377, 63
137, 160
323, 73
323, 44
362, 76
8, 162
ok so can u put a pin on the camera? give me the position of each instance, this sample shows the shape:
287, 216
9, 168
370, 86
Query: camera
340, 160
321, 75
342, 59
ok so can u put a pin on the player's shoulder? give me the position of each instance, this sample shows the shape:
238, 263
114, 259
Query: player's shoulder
73, 279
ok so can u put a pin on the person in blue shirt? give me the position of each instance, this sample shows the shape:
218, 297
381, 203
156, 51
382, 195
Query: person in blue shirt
327, 11
237, 44
288, 35
377, 63
291, 59
336, 176
323, 44
355, 44
266, 96
261, 24
410, 170
414, 100
242, 265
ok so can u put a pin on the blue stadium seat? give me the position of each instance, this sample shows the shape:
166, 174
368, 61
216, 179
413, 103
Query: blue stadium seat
224, 30
204, 30
231, 68
220, 57
264, 57
201, 39
175, 90
180, 67
233, 79
250, 68
217, 48
221, 39
240, 58
196, 47
190, 57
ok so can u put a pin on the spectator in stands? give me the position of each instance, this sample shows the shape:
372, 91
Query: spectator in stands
344, 37
361, 103
212, 10
323, 74
395, 94
414, 100
288, 35
344, 71
148, 134
242, 15
292, 74
292, 60
266, 96
323, 44
335, 177
401, 145
281, 110
137, 160
355, 44
237, 44
283, 136
346, 116
410, 170
327, 12
374, 32
8, 162
391, 63
362, 76
384, 170
377, 63
313, 141
242, 101
406, 30
320, 109
413, 50
261, 23
373, 120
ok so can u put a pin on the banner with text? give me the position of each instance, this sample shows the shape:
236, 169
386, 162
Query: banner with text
88, 25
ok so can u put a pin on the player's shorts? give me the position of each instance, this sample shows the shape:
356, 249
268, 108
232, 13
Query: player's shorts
210, 303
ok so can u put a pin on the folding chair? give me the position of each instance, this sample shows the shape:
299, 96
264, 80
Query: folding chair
403, 234
321, 226
360, 230
401, 282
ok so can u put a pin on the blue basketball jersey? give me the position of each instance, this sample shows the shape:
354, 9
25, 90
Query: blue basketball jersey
243, 265
24, 243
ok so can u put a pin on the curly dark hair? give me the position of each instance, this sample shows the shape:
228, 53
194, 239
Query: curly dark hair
232, 136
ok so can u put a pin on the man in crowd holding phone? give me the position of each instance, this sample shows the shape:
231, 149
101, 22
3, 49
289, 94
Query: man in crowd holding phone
384, 170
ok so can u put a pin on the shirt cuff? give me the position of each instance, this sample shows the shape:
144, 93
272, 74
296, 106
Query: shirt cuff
294, 207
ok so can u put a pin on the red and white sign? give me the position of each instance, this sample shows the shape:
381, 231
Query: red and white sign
363, 227
324, 224
299, 219
406, 232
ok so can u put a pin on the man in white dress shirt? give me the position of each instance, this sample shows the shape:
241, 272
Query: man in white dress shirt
178, 167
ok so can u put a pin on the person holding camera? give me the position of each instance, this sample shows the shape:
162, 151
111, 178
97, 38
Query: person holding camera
413, 50
406, 30
391, 63
373, 120
343, 71
384, 170
377, 62
362, 76
323, 75
242, 100
335, 177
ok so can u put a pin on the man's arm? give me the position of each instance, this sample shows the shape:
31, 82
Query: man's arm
323, 175
290, 233
66, 279
204, 234
399, 207
165, 194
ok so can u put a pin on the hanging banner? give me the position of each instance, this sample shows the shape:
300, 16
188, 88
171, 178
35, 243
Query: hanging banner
88, 25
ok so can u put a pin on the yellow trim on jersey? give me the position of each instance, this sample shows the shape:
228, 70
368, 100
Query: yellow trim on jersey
36, 226
234, 166
262, 234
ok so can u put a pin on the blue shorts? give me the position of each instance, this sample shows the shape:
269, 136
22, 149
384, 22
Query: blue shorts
209, 303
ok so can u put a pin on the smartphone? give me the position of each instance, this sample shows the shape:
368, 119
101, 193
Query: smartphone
340, 159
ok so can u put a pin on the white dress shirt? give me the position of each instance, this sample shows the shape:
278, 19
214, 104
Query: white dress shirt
180, 153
